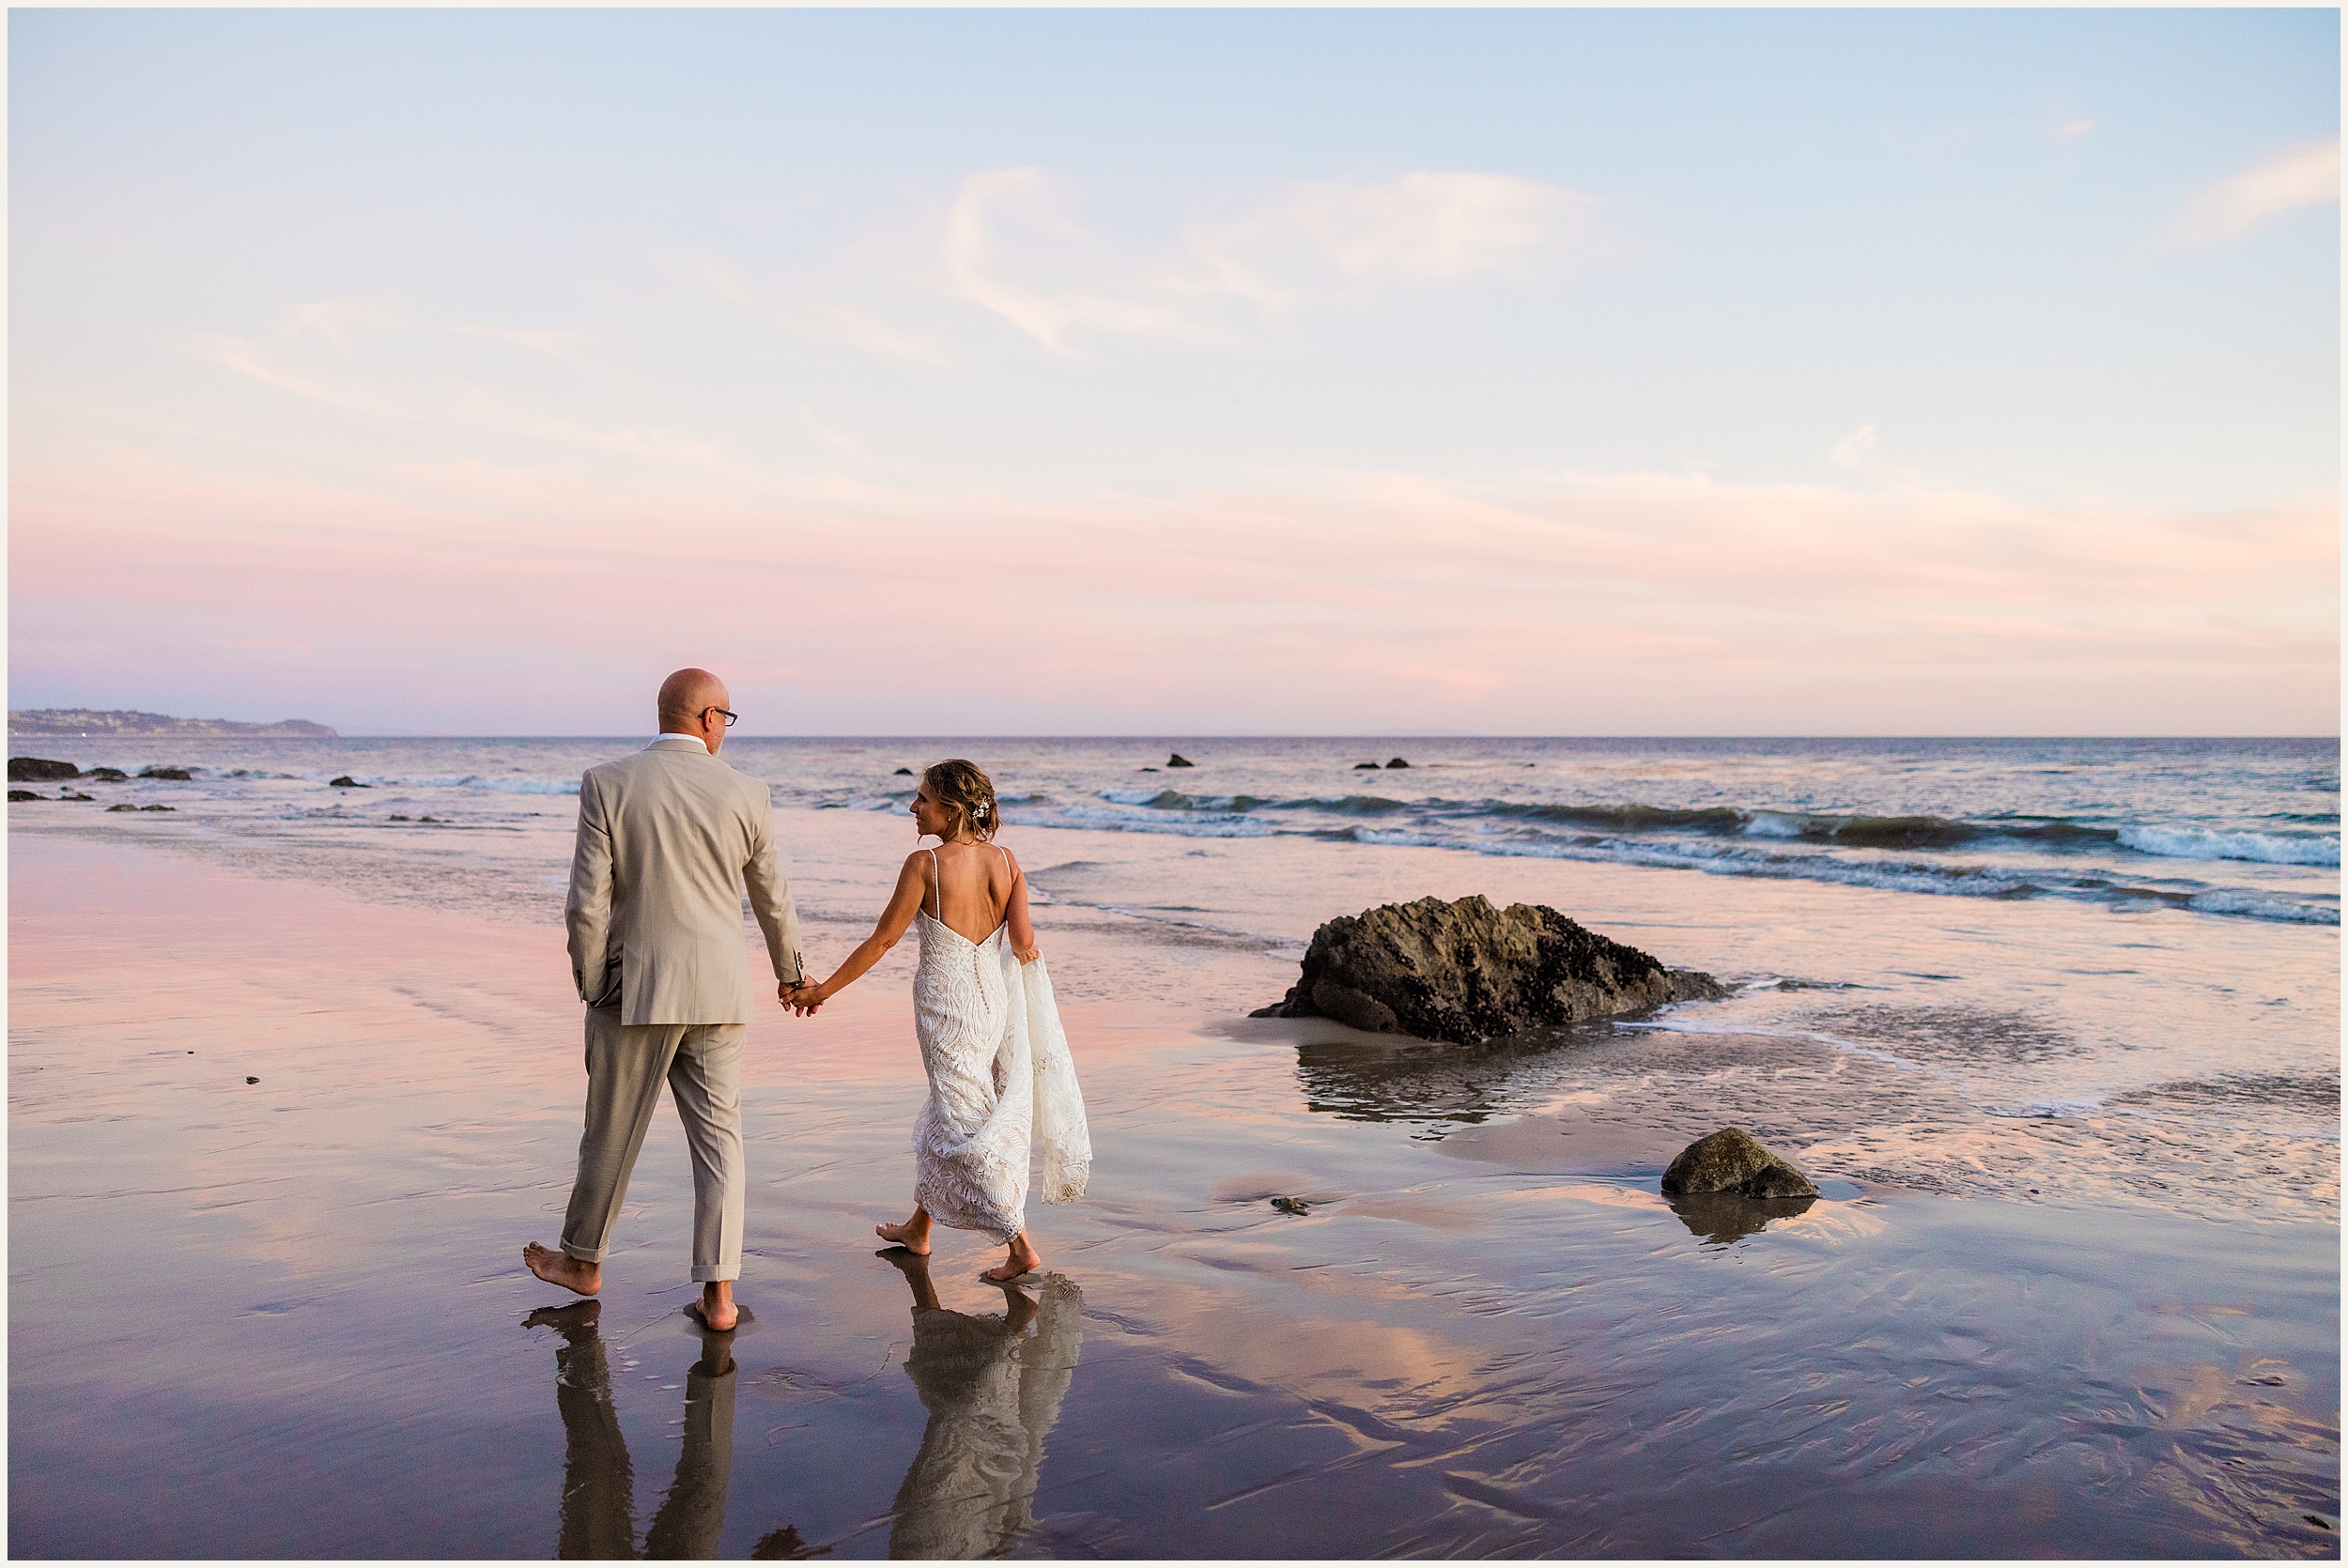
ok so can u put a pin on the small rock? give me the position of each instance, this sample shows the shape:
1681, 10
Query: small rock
177, 774
38, 769
397, 817
124, 806
1359, 766
428, 819
344, 782
1290, 1206
903, 773
253, 1081
1179, 761
26, 794
1398, 762
1149, 770
1734, 1161
73, 794
159, 808
107, 775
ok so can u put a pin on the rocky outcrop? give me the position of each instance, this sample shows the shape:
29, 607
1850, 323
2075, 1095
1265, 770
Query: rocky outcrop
38, 769
347, 782
1398, 762
1359, 766
1176, 760
1734, 1161
178, 776
15, 795
1467, 973
107, 775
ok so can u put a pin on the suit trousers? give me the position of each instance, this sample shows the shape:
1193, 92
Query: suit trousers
627, 1064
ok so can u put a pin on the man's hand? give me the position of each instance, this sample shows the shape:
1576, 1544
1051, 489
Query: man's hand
801, 996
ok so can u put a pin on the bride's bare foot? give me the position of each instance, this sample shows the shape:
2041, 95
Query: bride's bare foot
563, 1270
913, 1236
1024, 1259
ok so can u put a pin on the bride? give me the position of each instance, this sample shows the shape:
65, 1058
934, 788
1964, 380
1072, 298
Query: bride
1001, 1077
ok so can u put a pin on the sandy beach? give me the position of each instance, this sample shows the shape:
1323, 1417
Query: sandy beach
285, 1317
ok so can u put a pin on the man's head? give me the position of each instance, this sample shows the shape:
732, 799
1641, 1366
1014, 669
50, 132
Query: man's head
694, 702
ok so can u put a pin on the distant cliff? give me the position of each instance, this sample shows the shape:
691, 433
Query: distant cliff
116, 721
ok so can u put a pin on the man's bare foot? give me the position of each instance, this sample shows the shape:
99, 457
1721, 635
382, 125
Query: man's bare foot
1024, 1259
716, 1309
563, 1270
913, 1236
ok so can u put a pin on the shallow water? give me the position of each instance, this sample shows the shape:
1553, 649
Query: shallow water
2108, 1330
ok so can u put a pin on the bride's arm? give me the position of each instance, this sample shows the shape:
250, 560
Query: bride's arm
1022, 928
911, 887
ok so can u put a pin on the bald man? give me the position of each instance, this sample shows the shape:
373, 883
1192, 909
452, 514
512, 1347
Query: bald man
668, 839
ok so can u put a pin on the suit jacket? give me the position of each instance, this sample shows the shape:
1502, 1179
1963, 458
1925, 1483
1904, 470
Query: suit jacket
668, 837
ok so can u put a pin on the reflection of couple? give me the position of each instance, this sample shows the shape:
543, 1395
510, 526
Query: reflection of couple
992, 1385
669, 839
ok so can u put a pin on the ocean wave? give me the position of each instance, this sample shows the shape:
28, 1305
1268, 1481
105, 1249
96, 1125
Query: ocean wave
2196, 843
1730, 857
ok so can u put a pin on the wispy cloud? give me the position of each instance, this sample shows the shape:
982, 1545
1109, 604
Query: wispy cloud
824, 320
1011, 246
2299, 176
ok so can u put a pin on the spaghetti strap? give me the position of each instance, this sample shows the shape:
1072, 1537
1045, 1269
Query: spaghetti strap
937, 883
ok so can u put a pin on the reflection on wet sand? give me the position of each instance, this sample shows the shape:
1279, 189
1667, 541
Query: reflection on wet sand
993, 1389
1419, 1080
1721, 1218
598, 1509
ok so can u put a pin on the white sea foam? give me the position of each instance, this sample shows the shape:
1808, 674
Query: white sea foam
2196, 843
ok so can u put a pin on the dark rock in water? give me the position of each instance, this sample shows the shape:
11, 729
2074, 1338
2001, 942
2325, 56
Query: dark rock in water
1359, 766
107, 775
73, 794
158, 809
38, 769
253, 1081
901, 773
344, 782
179, 774
1290, 1206
124, 806
26, 794
1179, 761
1733, 1160
1149, 770
1724, 1217
1398, 762
1693, 984
1467, 973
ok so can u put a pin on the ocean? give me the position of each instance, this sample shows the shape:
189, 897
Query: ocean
2053, 1023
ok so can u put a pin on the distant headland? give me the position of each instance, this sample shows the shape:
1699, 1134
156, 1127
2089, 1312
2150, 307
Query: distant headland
113, 722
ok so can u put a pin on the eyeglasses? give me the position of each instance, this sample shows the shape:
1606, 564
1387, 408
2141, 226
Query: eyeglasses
731, 716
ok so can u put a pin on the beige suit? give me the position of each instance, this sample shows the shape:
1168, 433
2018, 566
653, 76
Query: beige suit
668, 839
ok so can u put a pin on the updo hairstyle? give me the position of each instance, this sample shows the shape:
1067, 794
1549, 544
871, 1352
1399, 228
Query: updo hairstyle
960, 785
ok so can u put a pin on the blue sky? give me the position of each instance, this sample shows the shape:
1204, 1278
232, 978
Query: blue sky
1557, 371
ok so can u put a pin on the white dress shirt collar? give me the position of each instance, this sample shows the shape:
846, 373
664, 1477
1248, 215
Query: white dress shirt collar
673, 736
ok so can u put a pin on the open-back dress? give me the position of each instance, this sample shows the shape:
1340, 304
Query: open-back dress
1002, 1084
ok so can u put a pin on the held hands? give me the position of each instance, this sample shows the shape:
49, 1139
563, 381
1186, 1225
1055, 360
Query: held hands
801, 996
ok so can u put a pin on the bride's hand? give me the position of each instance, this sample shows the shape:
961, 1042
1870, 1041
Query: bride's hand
1027, 955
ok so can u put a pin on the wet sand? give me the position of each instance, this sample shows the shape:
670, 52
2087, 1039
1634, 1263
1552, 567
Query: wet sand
287, 1318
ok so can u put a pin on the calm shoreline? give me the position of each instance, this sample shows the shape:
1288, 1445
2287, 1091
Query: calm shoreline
1468, 1343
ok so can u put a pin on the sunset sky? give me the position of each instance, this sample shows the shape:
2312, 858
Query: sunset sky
1092, 372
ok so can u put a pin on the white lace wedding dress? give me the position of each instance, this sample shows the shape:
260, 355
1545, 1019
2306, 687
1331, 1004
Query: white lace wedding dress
1001, 1084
